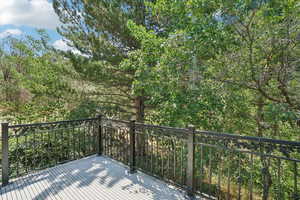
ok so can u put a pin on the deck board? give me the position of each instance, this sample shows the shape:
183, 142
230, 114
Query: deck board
91, 178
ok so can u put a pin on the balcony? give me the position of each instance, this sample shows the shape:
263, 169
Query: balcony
89, 178
139, 161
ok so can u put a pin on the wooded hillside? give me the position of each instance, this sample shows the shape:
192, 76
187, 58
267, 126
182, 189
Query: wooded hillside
227, 66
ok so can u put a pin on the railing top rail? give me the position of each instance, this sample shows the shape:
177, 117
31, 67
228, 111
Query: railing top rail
251, 138
183, 130
51, 123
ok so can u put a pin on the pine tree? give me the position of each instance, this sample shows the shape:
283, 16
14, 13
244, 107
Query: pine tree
98, 30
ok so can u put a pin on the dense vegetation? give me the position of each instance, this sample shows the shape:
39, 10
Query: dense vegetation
227, 66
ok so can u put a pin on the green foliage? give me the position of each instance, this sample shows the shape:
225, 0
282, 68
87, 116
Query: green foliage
228, 66
32, 79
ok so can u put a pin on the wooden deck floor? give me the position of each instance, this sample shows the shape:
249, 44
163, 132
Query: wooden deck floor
92, 178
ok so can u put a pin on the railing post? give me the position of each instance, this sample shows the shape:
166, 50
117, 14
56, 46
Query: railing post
5, 161
99, 137
190, 178
132, 147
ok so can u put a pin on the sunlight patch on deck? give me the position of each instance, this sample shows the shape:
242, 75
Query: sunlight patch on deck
91, 178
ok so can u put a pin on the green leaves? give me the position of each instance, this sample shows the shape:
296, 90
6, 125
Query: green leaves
32, 79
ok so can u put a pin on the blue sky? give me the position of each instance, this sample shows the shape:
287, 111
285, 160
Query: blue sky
22, 17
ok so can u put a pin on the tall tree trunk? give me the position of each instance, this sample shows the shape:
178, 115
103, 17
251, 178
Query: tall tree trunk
139, 109
140, 117
265, 172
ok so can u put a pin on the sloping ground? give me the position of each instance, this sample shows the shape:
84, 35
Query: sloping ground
92, 178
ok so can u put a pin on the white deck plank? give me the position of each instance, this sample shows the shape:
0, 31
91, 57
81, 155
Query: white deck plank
91, 178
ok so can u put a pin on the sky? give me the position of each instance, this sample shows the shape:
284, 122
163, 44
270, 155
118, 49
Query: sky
22, 17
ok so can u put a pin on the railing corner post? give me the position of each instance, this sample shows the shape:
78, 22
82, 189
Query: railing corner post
132, 147
5, 160
190, 178
99, 137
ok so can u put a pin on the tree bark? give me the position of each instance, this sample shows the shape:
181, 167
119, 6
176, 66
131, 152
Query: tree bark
266, 176
139, 109
140, 117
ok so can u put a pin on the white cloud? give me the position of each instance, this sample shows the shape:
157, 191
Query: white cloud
10, 32
62, 45
35, 13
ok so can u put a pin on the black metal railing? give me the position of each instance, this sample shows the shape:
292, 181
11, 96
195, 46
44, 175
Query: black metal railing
214, 165
31, 147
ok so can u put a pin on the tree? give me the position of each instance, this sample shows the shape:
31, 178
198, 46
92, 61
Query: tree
31, 77
249, 49
98, 29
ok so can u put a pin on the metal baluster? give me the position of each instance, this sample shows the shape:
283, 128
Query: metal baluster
201, 167
169, 158
55, 146
115, 144
48, 149
162, 157
228, 178
105, 140
147, 152
84, 139
251, 177
174, 157
152, 152
18, 152
79, 140
108, 141
95, 135
74, 141
61, 154
120, 144
68, 150
42, 148
239, 177
128, 146
123, 143
25, 154
296, 195
210, 171
35, 149
116, 140
220, 176
112, 143
279, 179
156, 154
140, 151
181, 165
88, 135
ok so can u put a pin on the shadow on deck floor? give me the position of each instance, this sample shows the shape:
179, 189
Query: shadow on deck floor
91, 178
